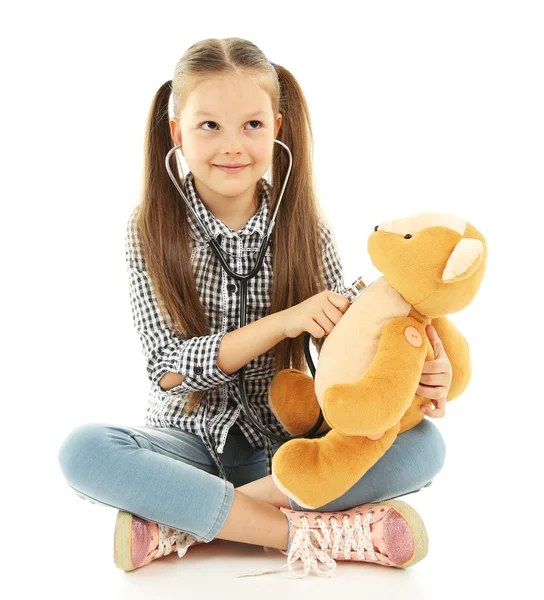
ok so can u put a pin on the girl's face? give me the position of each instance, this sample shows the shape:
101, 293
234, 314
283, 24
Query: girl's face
227, 120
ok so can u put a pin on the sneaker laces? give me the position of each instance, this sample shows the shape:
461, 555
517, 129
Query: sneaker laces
179, 539
310, 545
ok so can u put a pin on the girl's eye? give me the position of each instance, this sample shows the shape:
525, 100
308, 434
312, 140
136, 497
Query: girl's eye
206, 122
258, 122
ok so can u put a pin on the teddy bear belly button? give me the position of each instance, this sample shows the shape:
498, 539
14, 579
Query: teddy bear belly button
413, 336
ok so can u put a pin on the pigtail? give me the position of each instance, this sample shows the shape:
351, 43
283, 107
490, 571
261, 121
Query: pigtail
298, 264
163, 231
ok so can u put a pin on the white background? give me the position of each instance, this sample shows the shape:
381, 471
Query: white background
415, 106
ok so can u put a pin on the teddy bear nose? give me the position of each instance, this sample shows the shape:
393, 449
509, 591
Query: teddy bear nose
376, 228
407, 236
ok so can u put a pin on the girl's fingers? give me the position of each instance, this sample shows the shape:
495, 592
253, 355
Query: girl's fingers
439, 411
436, 342
435, 366
433, 393
434, 380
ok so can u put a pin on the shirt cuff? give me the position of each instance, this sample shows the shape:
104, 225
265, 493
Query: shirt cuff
198, 362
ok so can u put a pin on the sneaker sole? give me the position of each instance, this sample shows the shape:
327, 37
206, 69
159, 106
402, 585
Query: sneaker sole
123, 541
417, 527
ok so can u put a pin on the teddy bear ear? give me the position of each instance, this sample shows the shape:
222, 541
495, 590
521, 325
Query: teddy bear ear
464, 260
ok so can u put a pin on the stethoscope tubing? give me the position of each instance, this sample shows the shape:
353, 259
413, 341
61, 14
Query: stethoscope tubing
243, 278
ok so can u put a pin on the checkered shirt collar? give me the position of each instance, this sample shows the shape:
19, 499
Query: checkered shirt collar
257, 223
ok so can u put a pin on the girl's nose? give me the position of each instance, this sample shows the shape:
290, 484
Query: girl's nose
231, 144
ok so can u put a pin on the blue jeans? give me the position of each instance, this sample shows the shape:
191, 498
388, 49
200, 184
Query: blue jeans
167, 476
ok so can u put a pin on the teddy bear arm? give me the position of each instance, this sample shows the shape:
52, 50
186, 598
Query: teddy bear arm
379, 399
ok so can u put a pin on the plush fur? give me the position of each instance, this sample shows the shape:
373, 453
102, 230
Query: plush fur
370, 365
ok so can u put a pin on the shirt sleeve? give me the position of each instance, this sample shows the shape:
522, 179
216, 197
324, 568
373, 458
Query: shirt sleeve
333, 270
165, 351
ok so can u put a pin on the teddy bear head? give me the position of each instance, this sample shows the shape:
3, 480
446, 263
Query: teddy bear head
436, 261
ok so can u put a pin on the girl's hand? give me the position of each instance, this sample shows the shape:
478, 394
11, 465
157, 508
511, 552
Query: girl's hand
317, 314
436, 377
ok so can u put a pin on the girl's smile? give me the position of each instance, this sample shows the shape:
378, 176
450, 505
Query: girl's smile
236, 169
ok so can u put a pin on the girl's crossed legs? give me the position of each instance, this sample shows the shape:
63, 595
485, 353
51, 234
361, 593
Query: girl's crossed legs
167, 476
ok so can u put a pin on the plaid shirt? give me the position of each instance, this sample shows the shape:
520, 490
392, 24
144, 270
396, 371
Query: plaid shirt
195, 358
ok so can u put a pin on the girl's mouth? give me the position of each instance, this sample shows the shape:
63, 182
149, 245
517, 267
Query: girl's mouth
231, 169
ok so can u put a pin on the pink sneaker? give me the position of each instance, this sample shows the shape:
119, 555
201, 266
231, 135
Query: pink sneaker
389, 533
137, 542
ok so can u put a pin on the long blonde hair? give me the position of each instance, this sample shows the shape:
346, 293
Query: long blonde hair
162, 218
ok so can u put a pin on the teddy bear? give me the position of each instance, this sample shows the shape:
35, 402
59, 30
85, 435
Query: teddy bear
370, 365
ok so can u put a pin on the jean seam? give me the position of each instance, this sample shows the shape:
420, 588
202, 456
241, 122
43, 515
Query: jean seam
222, 510
237, 457
135, 435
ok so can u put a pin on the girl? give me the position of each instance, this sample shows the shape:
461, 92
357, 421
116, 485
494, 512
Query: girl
194, 472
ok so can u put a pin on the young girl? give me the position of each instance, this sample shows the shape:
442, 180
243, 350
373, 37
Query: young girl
199, 469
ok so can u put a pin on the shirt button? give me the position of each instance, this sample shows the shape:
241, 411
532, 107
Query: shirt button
231, 327
231, 287
198, 370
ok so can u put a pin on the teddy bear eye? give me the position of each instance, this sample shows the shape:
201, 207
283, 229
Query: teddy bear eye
407, 236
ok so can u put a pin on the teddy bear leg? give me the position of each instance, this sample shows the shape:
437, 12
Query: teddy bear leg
292, 399
379, 399
314, 472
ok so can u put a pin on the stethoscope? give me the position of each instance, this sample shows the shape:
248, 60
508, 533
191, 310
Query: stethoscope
243, 279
